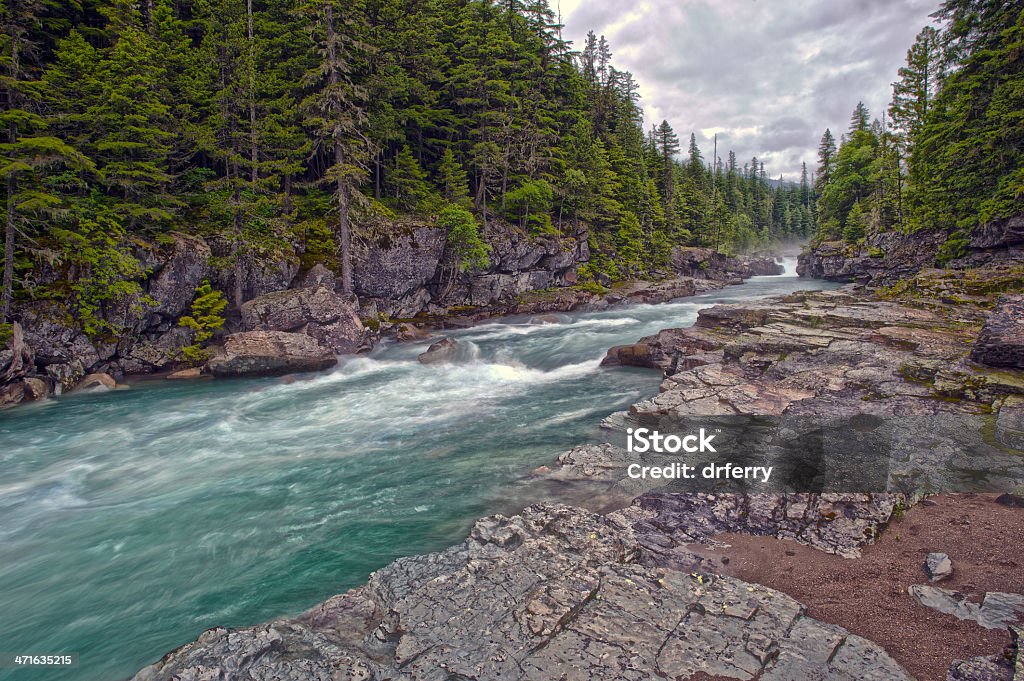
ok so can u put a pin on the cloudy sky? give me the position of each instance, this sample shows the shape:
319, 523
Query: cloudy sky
767, 75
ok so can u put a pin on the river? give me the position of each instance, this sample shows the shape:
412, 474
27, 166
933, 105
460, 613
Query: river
131, 521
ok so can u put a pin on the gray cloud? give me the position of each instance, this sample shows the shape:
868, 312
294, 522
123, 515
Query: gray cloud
767, 76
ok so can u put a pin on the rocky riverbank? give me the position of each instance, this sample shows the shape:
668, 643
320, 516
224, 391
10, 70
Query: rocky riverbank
641, 589
283, 318
884, 258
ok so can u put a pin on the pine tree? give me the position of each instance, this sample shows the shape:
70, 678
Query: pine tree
826, 160
335, 113
452, 179
918, 85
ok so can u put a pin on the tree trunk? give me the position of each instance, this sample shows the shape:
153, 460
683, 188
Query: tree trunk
147, 11
344, 228
253, 137
8, 285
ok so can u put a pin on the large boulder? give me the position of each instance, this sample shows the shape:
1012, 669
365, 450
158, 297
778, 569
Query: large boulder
271, 353
670, 350
96, 382
396, 263
1001, 341
444, 350
318, 312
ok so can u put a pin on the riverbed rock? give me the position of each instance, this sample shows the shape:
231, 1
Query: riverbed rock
996, 611
271, 353
938, 567
96, 382
318, 312
35, 389
189, 374
663, 351
553, 593
410, 333
1001, 341
444, 350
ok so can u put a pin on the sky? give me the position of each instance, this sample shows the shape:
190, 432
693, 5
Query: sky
768, 76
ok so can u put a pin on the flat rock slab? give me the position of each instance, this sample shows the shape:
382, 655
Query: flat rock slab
996, 611
554, 593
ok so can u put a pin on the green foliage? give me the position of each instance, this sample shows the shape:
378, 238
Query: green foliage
407, 182
100, 276
956, 246
470, 251
6, 333
530, 204
205, 319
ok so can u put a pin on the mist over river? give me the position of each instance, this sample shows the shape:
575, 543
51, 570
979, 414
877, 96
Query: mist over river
131, 521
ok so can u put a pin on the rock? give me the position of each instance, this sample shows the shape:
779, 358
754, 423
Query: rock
445, 350
318, 276
50, 331
938, 567
409, 333
1001, 341
547, 319
11, 394
457, 322
186, 374
66, 376
173, 286
997, 610
156, 353
999, 233
1012, 500
665, 351
994, 668
96, 382
320, 313
553, 593
35, 389
399, 260
271, 353
882, 259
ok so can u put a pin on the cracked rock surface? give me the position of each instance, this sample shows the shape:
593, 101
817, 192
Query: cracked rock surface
554, 593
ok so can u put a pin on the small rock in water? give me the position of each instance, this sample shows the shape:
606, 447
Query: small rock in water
96, 381
938, 567
186, 374
445, 350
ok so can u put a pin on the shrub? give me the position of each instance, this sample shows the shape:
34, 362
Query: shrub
205, 320
471, 252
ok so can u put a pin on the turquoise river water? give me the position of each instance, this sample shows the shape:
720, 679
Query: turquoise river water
131, 521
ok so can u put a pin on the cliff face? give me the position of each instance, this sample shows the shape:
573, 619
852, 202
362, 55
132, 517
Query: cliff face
886, 257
